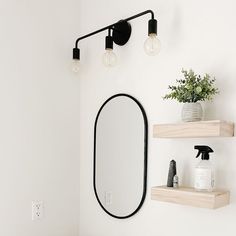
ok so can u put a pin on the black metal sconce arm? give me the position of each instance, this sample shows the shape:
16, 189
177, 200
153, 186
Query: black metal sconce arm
118, 27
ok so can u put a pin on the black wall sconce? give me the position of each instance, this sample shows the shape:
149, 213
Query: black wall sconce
120, 35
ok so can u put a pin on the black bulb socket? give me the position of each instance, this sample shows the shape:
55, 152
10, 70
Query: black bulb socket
152, 26
109, 42
76, 53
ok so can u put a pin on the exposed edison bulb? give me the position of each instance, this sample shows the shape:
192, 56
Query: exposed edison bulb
109, 58
75, 65
152, 45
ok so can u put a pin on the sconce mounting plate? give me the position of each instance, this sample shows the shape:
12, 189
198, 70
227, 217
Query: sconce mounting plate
121, 32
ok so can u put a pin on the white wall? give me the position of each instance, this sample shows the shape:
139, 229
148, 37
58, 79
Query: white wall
194, 34
39, 128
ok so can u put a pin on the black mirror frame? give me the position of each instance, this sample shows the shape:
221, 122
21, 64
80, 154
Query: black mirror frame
145, 156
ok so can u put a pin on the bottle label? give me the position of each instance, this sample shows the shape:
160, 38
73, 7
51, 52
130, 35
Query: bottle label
203, 179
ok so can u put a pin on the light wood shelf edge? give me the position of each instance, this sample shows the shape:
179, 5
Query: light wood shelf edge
211, 128
191, 197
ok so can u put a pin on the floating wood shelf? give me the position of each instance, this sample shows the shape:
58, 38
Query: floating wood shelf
211, 128
191, 197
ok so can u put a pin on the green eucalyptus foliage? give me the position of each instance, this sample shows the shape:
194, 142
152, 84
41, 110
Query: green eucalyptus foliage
192, 88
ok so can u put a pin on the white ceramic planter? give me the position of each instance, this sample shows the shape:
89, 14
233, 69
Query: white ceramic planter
192, 112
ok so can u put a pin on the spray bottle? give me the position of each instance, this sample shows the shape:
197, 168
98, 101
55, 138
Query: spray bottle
204, 171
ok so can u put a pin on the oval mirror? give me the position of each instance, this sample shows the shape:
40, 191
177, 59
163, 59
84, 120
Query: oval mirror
120, 156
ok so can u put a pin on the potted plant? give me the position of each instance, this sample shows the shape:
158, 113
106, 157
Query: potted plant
190, 90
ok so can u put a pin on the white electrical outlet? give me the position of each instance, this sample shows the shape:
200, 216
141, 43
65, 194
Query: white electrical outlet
108, 198
37, 210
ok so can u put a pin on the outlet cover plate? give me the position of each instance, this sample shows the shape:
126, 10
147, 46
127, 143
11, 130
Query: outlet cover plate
37, 210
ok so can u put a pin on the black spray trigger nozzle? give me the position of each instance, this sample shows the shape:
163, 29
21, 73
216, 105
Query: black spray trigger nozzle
204, 150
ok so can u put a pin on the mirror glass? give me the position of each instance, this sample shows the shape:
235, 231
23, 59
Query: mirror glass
120, 156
